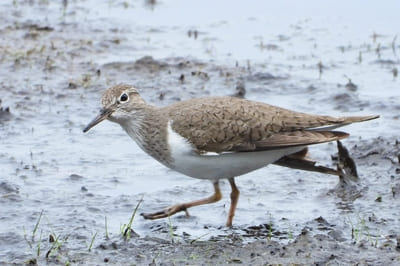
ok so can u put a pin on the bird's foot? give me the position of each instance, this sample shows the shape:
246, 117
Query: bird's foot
166, 212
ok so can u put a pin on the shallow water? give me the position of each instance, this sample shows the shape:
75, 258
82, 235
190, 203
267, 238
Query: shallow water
56, 60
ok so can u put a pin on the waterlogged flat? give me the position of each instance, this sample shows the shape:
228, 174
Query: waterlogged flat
66, 196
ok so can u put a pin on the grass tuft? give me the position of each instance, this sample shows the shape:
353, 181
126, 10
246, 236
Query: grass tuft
126, 229
171, 230
91, 242
106, 228
36, 226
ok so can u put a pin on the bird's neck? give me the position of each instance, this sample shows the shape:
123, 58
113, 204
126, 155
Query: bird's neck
149, 130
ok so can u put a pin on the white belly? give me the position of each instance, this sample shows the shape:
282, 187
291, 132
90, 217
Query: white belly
226, 165
217, 166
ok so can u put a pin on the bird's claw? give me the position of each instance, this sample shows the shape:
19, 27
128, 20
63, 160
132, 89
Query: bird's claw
166, 212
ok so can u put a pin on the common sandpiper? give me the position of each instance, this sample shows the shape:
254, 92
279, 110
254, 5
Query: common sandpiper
218, 138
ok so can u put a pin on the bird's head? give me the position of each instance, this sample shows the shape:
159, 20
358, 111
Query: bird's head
119, 103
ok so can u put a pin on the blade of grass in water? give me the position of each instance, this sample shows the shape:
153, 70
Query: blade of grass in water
128, 229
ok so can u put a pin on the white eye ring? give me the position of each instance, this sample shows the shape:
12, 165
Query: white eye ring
124, 97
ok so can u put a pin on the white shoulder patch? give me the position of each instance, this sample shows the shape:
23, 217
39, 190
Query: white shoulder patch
177, 144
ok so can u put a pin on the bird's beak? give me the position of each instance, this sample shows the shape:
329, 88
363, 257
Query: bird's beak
104, 114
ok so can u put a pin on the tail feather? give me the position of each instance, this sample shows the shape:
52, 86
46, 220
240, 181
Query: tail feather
356, 119
334, 123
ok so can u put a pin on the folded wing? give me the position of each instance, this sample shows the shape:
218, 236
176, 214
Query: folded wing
236, 125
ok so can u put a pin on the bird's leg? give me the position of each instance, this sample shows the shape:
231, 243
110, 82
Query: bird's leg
184, 206
234, 200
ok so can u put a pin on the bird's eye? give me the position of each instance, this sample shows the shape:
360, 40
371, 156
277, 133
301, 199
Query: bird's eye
124, 97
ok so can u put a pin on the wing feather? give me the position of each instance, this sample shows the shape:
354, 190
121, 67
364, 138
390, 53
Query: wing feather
225, 124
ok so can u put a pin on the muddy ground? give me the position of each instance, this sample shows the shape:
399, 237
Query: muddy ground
67, 198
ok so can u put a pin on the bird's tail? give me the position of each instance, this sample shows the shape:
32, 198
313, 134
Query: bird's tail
356, 119
343, 121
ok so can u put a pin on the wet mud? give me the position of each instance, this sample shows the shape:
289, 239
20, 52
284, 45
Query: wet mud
69, 198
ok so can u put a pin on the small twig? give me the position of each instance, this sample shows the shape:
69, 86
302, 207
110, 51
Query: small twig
394, 45
196, 239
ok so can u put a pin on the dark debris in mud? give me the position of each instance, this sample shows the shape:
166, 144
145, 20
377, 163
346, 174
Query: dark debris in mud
9, 192
346, 165
5, 113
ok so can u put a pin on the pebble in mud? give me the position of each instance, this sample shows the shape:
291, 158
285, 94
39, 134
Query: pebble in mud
182, 78
240, 90
8, 188
337, 235
75, 177
5, 113
396, 190
350, 85
149, 63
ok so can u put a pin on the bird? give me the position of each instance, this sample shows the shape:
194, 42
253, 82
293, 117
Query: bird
216, 138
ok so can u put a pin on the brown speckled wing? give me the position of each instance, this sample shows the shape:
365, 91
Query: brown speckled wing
298, 138
224, 124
